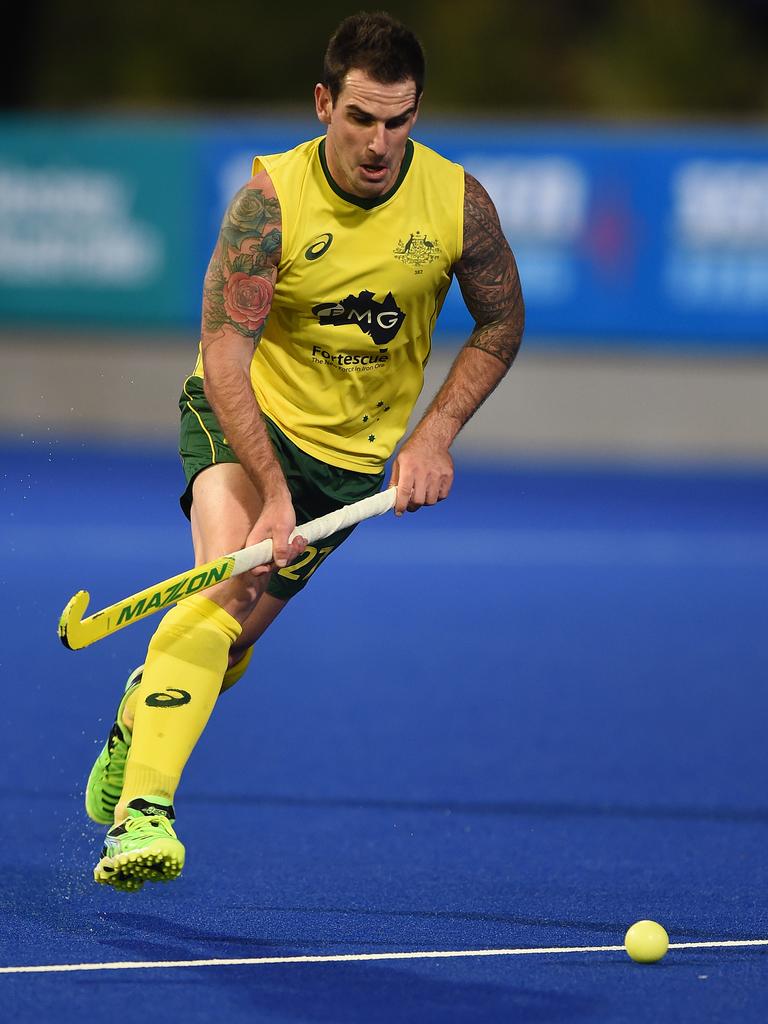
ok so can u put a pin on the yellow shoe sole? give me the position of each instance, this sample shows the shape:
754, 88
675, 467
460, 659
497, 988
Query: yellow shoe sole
161, 861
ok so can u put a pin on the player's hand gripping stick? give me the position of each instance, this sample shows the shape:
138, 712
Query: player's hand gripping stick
76, 632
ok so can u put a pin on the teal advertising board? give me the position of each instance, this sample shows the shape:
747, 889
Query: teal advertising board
97, 222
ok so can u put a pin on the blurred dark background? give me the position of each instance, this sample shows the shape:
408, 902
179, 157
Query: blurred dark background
623, 141
601, 58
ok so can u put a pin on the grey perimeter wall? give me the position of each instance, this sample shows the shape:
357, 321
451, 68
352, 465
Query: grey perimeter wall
596, 406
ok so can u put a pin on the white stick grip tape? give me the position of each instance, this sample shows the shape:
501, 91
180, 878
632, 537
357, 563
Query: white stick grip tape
319, 529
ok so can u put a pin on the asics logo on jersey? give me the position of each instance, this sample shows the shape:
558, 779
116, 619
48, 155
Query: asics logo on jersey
165, 699
320, 247
381, 320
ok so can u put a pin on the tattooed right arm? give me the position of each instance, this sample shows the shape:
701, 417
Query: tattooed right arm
237, 297
238, 288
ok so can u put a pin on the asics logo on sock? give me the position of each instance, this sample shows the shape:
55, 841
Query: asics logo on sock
166, 698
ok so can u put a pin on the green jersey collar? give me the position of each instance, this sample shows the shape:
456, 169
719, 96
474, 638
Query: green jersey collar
367, 204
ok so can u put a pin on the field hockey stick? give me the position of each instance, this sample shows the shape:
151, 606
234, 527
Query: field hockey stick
75, 632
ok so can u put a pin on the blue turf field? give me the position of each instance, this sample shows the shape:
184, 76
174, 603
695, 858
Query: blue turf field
526, 718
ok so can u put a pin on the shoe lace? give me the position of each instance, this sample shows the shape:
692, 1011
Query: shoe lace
148, 821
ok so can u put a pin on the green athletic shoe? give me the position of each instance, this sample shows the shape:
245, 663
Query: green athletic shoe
143, 848
105, 783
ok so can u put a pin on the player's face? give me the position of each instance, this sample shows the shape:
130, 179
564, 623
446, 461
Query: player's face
368, 128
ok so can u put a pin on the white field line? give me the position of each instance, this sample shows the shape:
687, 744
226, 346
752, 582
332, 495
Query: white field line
354, 957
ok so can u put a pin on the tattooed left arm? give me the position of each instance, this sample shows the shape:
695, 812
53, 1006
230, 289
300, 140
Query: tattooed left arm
487, 275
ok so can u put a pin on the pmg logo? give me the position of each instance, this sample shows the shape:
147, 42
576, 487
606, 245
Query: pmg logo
381, 320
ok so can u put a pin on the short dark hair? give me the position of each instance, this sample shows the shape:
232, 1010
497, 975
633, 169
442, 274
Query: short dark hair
377, 44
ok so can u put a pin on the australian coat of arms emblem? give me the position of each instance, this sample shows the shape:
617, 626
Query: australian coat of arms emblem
417, 251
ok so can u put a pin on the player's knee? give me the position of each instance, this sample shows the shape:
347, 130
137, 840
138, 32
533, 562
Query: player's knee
239, 652
239, 595
239, 659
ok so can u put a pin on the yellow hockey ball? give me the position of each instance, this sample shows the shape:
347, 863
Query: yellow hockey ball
646, 942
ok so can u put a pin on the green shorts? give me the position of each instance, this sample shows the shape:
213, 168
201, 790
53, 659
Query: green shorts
316, 487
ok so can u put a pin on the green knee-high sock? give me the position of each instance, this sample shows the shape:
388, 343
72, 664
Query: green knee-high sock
183, 673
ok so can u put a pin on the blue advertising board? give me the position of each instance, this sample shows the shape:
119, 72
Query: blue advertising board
659, 237
631, 236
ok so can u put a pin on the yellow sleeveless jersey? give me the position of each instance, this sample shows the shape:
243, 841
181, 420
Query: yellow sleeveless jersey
360, 283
